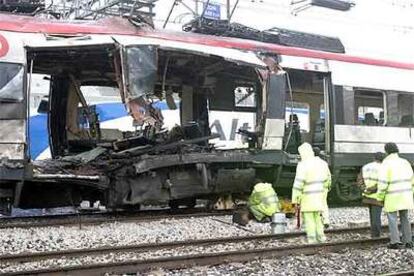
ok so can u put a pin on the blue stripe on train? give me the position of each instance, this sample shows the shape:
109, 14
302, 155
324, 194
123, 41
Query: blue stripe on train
38, 134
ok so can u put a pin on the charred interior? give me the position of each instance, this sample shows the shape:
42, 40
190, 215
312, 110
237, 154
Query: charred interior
152, 161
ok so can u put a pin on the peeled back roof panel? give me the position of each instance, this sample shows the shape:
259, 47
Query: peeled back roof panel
307, 40
275, 35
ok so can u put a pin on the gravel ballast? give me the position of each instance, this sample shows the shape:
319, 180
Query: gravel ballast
18, 240
40, 239
373, 261
162, 253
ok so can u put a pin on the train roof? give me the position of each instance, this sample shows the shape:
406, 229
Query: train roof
119, 26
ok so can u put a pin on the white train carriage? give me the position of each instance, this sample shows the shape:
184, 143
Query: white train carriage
132, 115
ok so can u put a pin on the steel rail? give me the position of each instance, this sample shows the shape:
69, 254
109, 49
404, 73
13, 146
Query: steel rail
97, 218
400, 273
216, 258
36, 256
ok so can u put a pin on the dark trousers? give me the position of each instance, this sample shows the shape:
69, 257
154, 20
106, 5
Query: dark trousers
375, 220
405, 227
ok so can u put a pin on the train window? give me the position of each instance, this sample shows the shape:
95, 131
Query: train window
355, 106
369, 108
245, 96
400, 109
11, 82
368, 115
298, 113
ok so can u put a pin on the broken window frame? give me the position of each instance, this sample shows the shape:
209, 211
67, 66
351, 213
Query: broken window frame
131, 93
238, 104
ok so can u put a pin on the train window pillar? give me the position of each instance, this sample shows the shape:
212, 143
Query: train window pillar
275, 113
348, 105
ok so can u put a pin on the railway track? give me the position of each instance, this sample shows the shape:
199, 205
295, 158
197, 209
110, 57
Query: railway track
214, 251
401, 273
97, 218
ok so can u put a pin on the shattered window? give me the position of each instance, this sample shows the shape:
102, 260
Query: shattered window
245, 96
11, 82
142, 70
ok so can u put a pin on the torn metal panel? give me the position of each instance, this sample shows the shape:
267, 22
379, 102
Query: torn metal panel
154, 162
233, 55
85, 157
60, 41
13, 131
142, 65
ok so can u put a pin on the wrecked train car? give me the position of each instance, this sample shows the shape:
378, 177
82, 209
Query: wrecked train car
235, 111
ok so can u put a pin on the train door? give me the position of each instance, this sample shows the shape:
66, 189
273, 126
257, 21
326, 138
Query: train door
306, 104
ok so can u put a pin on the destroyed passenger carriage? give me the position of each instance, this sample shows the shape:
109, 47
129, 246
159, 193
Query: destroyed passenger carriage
208, 116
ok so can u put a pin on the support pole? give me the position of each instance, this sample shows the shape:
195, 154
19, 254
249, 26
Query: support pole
228, 10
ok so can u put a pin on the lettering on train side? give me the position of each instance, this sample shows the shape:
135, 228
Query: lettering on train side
217, 128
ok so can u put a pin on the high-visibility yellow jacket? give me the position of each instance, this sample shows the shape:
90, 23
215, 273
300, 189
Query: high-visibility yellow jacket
370, 175
395, 184
263, 201
312, 181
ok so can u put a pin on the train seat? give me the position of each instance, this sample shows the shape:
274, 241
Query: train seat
370, 119
319, 134
407, 120
293, 136
381, 120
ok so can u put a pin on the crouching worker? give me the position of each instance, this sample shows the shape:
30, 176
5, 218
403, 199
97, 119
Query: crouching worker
312, 181
263, 203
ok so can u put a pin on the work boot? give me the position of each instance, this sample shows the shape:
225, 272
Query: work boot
394, 246
409, 245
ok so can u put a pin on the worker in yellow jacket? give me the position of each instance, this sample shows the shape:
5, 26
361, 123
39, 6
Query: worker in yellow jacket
369, 175
263, 201
325, 212
312, 181
395, 189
